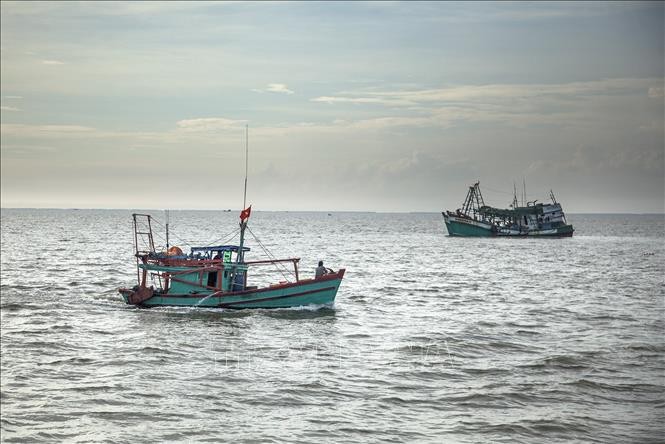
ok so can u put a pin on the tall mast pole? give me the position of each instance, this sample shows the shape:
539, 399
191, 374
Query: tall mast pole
167, 229
243, 223
244, 200
523, 191
515, 205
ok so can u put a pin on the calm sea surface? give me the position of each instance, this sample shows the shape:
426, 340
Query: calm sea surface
431, 339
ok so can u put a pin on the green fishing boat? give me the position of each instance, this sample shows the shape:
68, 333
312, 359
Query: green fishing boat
217, 276
475, 219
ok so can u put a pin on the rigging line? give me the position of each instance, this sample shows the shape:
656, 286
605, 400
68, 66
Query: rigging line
277, 265
270, 255
496, 191
226, 237
170, 232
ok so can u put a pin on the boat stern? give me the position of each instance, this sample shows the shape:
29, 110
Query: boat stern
136, 295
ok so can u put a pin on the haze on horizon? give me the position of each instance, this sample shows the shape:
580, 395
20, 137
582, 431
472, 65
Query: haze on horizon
351, 106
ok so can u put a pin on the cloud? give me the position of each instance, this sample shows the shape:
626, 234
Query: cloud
13, 97
362, 100
275, 88
15, 128
50, 131
279, 88
402, 164
390, 122
492, 92
9, 108
209, 124
123, 9
24, 150
656, 92
518, 105
52, 62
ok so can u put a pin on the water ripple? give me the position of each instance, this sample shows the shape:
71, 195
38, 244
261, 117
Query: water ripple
432, 338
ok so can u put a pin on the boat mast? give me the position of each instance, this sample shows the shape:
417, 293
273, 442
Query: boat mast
243, 223
523, 192
244, 199
167, 229
474, 201
514, 204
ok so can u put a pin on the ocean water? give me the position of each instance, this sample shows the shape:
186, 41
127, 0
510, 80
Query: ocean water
431, 338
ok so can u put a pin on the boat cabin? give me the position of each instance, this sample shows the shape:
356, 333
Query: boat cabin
205, 269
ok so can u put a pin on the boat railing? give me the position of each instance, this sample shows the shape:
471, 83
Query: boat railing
212, 265
293, 260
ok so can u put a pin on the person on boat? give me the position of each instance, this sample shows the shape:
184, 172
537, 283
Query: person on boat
321, 270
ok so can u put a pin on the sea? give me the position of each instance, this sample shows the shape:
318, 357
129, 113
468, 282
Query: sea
431, 338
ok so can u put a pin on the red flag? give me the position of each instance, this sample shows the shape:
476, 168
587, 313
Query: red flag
244, 214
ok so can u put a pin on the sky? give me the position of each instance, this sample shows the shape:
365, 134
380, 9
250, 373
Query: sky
376, 106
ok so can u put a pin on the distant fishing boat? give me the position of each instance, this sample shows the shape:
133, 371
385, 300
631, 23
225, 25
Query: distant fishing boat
475, 219
217, 276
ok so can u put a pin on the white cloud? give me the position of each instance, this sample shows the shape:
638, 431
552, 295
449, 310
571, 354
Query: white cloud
656, 92
209, 124
17, 128
376, 100
52, 62
9, 108
280, 88
517, 105
493, 92
21, 130
13, 97
274, 88
390, 122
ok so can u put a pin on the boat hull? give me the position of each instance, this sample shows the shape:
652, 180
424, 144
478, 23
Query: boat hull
321, 291
464, 227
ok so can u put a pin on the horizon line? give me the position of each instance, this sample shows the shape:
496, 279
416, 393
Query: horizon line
292, 211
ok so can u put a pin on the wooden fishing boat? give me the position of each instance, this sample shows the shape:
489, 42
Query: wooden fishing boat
217, 276
475, 219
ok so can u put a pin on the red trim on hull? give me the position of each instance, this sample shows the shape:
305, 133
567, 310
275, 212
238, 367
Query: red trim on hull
230, 304
327, 277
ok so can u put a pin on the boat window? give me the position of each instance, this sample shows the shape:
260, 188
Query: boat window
212, 279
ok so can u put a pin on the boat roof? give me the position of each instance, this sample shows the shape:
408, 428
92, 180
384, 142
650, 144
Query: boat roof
518, 211
217, 248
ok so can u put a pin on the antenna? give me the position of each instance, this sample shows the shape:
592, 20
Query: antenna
167, 229
523, 191
243, 223
244, 200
